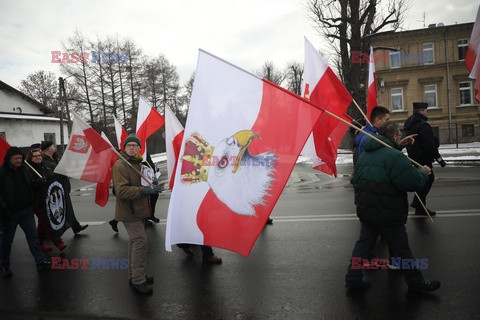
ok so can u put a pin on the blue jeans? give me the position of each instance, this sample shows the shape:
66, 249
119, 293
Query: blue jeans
24, 218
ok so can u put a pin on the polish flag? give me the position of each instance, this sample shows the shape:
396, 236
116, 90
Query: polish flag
120, 133
4, 146
102, 191
472, 57
242, 139
372, 86
148, 121
323, 88
173, 139
87, 156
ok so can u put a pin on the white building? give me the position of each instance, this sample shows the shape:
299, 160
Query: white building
24, 121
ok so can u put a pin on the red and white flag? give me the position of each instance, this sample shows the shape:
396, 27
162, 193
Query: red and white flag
323, 88
87, 156
173, 140
120, 133
4, 146
102, 191
148, 121
372, 86
242, 138
472, 56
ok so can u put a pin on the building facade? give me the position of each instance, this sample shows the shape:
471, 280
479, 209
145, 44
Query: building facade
428, 65
24, 121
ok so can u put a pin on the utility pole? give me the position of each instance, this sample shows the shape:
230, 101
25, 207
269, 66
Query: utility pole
60, 91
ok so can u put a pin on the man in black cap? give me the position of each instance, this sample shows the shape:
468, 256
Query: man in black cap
424, 150
16, 200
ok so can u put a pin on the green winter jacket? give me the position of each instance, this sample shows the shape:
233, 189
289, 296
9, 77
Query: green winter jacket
130, 204
382, 178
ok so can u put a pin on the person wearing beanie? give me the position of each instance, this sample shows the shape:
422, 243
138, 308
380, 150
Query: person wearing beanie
132, 207
16, 200
424, 151
50, 161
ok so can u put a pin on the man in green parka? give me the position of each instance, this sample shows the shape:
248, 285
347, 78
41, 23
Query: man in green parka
383, 176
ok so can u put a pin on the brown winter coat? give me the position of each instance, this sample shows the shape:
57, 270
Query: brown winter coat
130, 205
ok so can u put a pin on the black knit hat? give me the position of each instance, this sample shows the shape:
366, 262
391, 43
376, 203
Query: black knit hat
45, 145
11, 152
420, 105
35, 146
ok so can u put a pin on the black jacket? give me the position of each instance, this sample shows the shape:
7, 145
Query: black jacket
425, 148
16, 189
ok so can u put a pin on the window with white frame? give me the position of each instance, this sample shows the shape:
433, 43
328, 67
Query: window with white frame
394, 59
462, 48
465, 93
397, 99
428, 56
431, 95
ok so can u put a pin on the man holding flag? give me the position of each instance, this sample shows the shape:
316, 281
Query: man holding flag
16, 200
132, 207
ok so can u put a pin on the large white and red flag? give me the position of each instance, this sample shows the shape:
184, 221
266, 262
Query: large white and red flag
242, 138
323, 88
148, 121
102, 190
472, 56
173, 140
87, 156
4, 146
372, 86
120, 133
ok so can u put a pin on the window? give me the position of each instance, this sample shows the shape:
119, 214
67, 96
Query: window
462, 48
428, 53
467, 131
394, 59
431, 95
49, 137
397, 99
465, 93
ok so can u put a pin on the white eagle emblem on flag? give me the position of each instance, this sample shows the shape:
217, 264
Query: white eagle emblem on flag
238, 179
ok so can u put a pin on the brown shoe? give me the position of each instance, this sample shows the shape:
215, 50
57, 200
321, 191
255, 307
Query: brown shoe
212, 260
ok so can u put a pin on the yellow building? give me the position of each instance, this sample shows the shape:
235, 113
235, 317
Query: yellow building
429, 66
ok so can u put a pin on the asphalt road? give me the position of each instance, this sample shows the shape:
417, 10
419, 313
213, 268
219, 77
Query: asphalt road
295, 271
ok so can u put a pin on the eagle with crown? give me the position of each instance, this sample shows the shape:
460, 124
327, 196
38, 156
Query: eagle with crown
238, 179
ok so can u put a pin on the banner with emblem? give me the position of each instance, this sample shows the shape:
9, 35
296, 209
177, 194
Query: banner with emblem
87, 156
57, 205
242, 138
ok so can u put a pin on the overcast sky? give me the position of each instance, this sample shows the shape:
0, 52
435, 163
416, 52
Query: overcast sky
244, 32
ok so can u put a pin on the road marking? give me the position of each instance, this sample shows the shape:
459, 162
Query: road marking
339, 217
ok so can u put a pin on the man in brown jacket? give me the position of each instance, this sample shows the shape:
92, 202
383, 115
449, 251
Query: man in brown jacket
132, 207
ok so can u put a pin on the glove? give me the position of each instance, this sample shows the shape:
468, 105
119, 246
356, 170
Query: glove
441, 162
150, 191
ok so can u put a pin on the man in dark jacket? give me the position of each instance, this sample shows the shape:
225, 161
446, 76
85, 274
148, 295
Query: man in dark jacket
16, 200
424, 151
383, 175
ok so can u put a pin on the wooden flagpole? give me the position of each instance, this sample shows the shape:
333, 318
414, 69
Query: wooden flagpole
131, 166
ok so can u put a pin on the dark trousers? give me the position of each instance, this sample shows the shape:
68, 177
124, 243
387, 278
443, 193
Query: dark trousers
23, 218
153, 203
397, 240
423, 192
44, 230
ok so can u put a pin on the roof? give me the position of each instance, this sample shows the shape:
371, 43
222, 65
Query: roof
468, 25
43, 108
17, 116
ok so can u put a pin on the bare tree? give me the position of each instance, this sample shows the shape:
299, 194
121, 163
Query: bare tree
43, 87
294, 75
348, 26
270, 72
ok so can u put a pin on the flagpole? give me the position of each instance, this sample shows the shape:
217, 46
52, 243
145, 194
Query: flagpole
33, 169
361, 111
383, 143
135, 169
